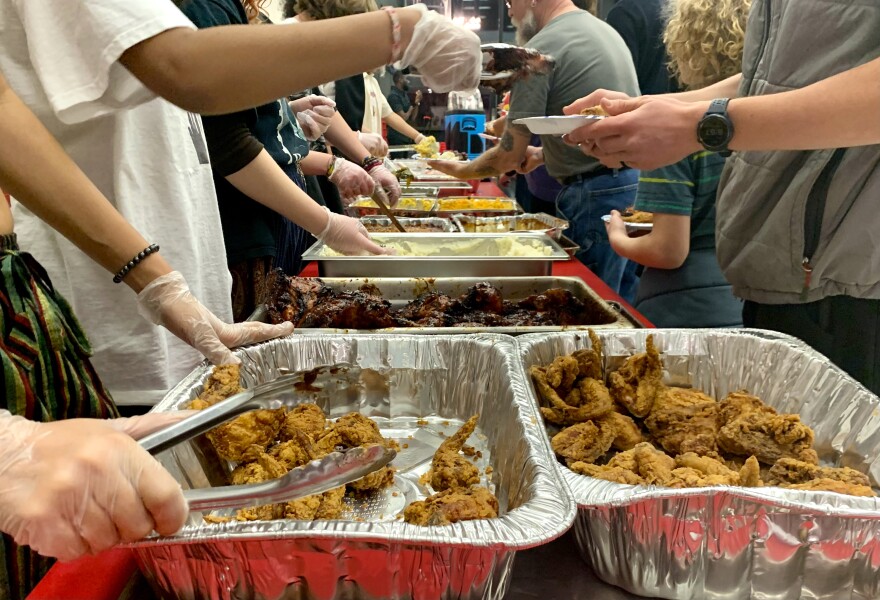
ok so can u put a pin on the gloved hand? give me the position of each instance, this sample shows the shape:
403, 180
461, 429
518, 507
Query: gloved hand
314, 114
447, 55
388, 181
374, 143
419, 138
143, 425
351, 180
348, 236
167, 301
79, 486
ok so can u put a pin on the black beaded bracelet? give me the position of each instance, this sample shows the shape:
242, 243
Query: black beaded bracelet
151, 249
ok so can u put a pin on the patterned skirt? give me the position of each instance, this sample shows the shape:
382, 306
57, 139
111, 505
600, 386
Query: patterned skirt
47, 376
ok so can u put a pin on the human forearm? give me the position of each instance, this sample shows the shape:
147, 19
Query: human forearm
316, 163
223, 58
263, 181
395, 122
665, 247
341, 136
62, 195
728, 88
841, 111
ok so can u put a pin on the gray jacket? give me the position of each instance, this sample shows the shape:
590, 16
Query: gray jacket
769, 206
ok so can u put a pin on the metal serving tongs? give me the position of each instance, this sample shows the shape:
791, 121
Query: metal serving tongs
320, 475
381, 201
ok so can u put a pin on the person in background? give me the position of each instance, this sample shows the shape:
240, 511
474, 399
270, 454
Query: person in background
589, 54
102, 103
398, 100
796, 213
640, 23
78, 486
682, 285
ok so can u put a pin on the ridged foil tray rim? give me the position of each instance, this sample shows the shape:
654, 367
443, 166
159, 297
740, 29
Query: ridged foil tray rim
591, 493
551, 491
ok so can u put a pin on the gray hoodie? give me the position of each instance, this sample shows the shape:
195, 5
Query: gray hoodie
776, 209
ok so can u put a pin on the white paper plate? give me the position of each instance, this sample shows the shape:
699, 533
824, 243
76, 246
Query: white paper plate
630, 227
556, 125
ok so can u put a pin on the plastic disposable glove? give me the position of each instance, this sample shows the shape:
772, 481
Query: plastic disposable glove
314, 114
388, 182
374, 143
348, 236
79, 486
447, 55
419, 138
167, 301
351, 180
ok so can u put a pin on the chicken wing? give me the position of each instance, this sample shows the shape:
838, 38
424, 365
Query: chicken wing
684, 420
750, 473
790, 470
768, 436
832, 485
654, 466
584, 442
308, 418
263, 468
638, 381
589, 400
353, 430
452, 506
449, 468
628, 434
608, 473
590, 361
222, 383
713, 471
562, 373
255, 428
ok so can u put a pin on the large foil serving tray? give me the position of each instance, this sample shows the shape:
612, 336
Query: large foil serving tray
440, 266
736, 543
400, 291
417, 386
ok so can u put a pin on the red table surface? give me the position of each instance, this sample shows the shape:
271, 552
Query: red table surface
103, 577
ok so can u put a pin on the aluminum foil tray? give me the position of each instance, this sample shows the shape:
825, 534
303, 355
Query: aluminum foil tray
419, 191
473, 224
400, 291
406, 207
439, 266
436, 224
736, 543
512, 207
399, 381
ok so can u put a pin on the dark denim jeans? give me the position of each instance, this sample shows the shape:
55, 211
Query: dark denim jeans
582, 204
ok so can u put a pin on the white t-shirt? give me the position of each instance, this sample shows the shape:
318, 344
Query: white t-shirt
147, 156
376, 105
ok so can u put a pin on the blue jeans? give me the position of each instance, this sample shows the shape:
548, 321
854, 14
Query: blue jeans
582, 204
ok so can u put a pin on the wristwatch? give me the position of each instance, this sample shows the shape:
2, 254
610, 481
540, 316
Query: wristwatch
715, 129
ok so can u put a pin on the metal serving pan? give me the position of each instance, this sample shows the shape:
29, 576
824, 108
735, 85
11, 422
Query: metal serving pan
445, 264
419, 191
435, 224
736, 543
512, 207
400, 291
406, 207
417, 386
470, 223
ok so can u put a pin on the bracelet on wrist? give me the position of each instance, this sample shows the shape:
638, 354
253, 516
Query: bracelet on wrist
139, 257
395, 34
331, 167
370, 163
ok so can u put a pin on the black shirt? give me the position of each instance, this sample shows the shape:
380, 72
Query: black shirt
399, 102
640, 24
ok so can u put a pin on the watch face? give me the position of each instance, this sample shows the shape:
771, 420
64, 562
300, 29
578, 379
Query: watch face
714, 131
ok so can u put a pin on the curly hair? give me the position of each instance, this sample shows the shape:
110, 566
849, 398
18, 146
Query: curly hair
331, 9
252, 8
704, 39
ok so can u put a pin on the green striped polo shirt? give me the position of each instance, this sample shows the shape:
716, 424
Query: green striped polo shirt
686, 188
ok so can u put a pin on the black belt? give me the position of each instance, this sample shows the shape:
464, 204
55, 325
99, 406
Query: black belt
592, 174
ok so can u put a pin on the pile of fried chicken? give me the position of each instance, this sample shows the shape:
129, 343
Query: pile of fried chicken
636, 430
266, 444
310, 302
455, 479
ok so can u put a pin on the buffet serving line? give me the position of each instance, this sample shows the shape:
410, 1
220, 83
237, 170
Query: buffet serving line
549, 443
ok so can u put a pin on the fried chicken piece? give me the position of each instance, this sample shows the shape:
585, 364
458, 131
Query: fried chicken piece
608, 473
687, 477
449, 468
590, 361
294, 453
264, 468
592, 397
222, 383
750, 473
738, 403
710, 468
255, 428
377, 480
584, 442
302, 509
331, 504
790, 470
684, 420
308, 418
562, 373
654, 466
452, 506
594, 111
268, 512
353, 430
638, 381
628, 433
631, 215
832, 485
768, 436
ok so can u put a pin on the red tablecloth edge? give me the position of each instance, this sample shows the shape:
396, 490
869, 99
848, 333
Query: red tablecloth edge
101, 577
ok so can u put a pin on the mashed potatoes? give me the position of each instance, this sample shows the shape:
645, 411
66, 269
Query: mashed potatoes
504, 246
